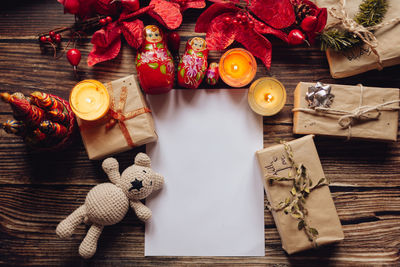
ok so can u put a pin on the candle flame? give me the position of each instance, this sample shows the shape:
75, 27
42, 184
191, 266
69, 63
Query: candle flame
269, 98
235, 67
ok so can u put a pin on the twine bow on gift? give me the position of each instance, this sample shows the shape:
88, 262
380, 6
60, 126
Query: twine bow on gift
118, 117
348, 118
364, 33
302, 187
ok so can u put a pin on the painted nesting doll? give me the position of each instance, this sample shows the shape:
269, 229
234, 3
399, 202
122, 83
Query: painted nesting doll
193, 64
212, 74
154, 63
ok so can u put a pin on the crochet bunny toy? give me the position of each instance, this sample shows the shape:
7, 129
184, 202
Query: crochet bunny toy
108, 203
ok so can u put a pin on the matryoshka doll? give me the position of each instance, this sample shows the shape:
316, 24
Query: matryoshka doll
212, 74
154, 63
193, 64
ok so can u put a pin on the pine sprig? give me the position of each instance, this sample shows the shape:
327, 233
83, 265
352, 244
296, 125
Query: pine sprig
338, 40
370, 13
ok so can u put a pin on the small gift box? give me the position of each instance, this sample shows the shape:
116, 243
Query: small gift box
344, 110
128, 124
298, 195
383, 49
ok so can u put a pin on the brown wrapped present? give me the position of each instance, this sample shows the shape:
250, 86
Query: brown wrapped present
384, 49
128, 124
301, 204
348, 111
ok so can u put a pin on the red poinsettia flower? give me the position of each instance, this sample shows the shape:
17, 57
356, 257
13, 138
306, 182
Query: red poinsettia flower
313, 10
217, 20
107, 41
87, 8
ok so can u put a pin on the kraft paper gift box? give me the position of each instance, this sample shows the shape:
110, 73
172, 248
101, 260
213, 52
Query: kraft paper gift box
359, 60
375, 125
320, 210
136, 130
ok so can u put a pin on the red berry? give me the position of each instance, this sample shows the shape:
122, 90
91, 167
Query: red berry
251, 24
57, 38
235, 22
103, 22
49, 39
227, 19
43, 39
238, 16
174, 40
296, 37
52, 34
309, 23
109, 19
74, 57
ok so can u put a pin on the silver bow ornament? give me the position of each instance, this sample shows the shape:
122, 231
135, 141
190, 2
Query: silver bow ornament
319, 95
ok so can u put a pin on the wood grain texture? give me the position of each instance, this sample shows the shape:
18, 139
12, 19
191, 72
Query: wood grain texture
37, 190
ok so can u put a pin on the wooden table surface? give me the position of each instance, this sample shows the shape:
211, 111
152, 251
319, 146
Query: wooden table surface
38, 190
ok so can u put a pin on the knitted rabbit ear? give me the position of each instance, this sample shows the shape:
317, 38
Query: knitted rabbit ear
142, 159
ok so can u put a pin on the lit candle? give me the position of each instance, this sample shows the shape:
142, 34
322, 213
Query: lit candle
237, 67
89, 100
267, 96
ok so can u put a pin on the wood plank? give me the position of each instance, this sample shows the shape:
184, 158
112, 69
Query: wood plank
369, 219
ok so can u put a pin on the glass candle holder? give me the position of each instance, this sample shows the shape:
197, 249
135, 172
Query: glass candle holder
267, 96
89, 100
237, 67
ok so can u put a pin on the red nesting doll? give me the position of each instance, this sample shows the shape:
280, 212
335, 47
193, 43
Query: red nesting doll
154, 63
193, 64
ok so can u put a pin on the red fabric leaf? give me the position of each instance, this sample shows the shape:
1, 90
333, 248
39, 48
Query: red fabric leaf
276, 13
167, 13
220, 35
104, 7
322, 18
225, 1
213, 11
257, 44
128, 15
262, 28
133, 32
100, 54
193, 4
106, 35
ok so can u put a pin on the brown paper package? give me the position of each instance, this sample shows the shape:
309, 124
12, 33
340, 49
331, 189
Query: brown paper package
345, 65
348, 98
100, 142
322, 213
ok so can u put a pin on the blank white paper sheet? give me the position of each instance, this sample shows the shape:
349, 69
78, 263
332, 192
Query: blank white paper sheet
212, 203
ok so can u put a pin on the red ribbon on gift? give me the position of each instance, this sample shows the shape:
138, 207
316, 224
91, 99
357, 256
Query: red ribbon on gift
118, 117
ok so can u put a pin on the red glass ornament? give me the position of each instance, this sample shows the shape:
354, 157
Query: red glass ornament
296, 37
309, 23
74, 56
